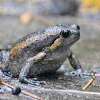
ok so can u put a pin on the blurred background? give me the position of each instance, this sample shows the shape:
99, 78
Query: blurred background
20, 17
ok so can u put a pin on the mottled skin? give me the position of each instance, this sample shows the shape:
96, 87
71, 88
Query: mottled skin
44, 52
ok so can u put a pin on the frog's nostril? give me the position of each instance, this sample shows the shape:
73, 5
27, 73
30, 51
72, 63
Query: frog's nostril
78, 28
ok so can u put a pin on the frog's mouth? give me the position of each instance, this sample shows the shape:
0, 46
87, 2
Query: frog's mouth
73, 38
76, 36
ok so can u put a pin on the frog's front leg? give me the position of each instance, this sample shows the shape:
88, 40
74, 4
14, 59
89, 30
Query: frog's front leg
75, 64
29, 63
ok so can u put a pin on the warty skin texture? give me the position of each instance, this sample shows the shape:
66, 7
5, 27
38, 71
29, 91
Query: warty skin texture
44, 52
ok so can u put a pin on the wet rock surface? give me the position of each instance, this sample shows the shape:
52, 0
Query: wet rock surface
87, 50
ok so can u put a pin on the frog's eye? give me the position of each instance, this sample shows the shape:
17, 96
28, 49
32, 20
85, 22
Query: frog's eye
65, 34
78, 28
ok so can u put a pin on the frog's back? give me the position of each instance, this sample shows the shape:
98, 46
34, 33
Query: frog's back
31, 45
34, 42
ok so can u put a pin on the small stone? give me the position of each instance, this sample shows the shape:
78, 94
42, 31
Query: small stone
16, 90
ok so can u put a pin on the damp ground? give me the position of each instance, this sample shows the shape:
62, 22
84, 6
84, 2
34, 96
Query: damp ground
87, 49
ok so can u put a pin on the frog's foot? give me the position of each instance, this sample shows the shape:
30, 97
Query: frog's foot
25, 70
36, 81
39, 82
32, 82
77, 72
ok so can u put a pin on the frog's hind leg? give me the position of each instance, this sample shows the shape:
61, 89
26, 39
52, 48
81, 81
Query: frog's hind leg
25, 70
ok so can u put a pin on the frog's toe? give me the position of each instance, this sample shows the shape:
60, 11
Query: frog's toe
35, 80
37, 83
30, 81
77, 72
40, 82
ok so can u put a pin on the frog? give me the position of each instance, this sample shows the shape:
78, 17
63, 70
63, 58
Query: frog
43, 52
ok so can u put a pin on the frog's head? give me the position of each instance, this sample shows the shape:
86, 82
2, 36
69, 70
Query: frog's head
70, 34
